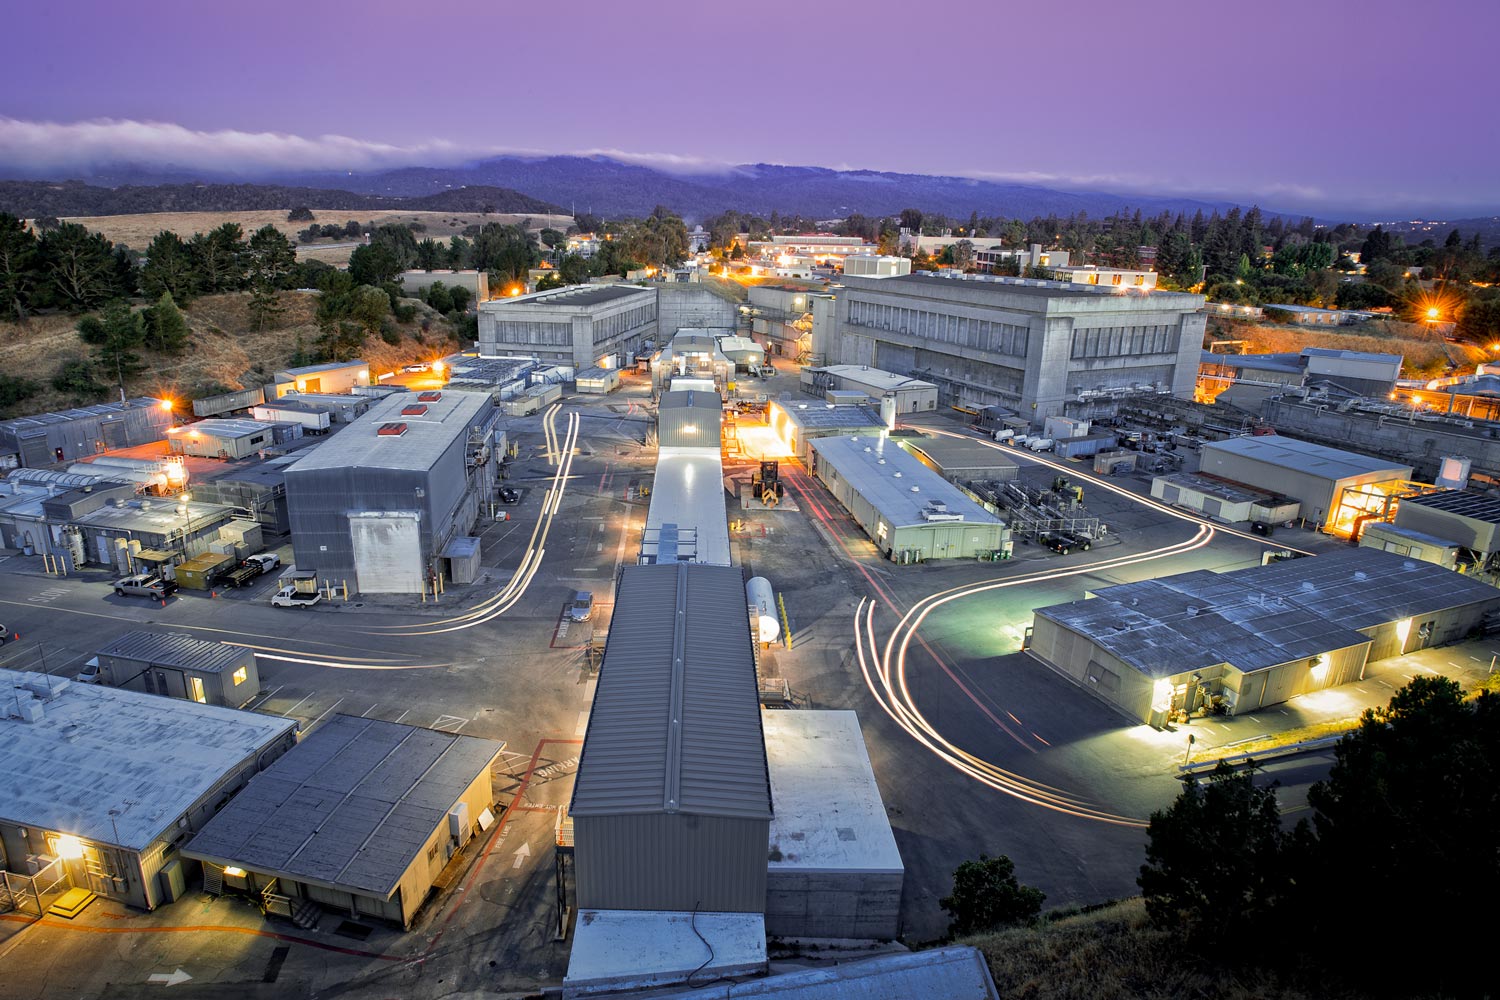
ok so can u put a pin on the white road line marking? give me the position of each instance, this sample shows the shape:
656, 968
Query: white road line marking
330, 708
583, 723
402, 716
290, 710
366, 713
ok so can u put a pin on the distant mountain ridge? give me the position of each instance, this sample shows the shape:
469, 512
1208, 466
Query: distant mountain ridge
32, 199
609, 187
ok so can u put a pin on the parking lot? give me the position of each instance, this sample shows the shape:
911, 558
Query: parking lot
1064, 787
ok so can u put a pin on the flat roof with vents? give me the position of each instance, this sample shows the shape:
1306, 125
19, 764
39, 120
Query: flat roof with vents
1462, 503
893, 480
424, 442
391, 430
114, 766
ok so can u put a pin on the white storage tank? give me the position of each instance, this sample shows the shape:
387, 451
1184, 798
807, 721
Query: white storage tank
763, 599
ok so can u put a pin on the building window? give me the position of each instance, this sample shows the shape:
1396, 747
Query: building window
240, 675
195, 688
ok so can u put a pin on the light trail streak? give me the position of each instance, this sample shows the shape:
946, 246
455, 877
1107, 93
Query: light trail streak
509, 595
885, 671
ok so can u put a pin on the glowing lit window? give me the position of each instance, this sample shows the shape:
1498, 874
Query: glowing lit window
195, 685
240, 675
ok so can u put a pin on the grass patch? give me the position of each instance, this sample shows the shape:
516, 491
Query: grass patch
1113, 953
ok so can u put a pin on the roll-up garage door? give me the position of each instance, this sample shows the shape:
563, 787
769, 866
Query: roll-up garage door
387, 551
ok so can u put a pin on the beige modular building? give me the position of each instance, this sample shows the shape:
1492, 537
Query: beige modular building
1255, 637
335, 377
102, 787
360, 817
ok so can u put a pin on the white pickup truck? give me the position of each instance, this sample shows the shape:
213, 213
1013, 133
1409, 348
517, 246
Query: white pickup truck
291, 597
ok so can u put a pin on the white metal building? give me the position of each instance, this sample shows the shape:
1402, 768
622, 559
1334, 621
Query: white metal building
181, 666
912, 395
910, 512
113, 782
798, 422
688, 519
334, 377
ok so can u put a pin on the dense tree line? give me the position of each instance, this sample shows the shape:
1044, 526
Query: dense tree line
1400, 850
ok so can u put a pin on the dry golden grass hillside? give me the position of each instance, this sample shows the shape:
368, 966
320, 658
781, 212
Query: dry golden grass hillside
224, 351
138, 230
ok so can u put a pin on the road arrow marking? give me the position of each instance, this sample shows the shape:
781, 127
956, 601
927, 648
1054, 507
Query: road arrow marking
522, 853
169, 978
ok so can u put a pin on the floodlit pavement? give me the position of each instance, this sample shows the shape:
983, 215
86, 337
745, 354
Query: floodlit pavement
1008, 756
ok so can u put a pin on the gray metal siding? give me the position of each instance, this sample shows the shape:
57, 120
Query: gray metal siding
634, 759
689, 419
671, 862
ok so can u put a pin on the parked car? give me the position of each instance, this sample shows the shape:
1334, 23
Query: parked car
290, 597
1057, 542
509, 495
145, 585
582, 607
267, 561
1080, 542
413, 369
90, 672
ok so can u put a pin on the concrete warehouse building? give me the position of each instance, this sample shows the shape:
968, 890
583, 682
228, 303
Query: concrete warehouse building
378, 503
69, 435
580, 326
180, 666
1258, 636
361, 817
910, 512
672, 805
1027, 344
111, 783
1315, 476
334, 378
799, 422
835, 870
911, 395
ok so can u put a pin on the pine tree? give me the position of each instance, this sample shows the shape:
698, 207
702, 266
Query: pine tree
166, 329
265, 307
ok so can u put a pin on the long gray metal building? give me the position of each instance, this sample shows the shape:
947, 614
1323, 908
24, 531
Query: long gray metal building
68, 435
379, 503
672, 806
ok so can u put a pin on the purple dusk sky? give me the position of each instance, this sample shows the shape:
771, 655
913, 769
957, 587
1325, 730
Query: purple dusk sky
1302, 104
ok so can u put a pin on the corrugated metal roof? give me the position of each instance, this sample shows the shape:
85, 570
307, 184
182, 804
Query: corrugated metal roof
349, 807
177, 650
688, 491
675, 726
427, 438
822, 416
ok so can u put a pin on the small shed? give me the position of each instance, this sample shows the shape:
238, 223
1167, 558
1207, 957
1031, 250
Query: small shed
960, 459
463, 559
181, 666
598, 380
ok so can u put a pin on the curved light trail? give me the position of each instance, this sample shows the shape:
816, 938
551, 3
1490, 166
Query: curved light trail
507, 597
885, 669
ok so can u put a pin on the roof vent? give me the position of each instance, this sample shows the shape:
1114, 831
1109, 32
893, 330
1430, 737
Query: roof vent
430, 397
414, 410
1192, 611
1361, 575
391, 430
1308, 588
916, 489
1408, 564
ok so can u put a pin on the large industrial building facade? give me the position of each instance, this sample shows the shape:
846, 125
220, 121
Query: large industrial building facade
581, 326
1026, 344
1254, 637
672, 806
378, 504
